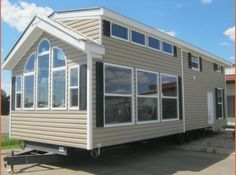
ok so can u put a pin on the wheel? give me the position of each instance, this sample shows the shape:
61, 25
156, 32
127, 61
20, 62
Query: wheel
188, 136
95, 153
180, 138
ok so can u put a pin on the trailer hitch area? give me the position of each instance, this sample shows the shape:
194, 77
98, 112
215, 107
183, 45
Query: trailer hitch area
31, 157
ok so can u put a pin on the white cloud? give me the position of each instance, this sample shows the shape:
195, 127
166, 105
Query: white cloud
206, 1
171, 33
230, 32
231, 58
179, 5
6, 88
224, 44
18, 15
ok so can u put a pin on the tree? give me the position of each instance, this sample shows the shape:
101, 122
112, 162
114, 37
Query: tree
4, 103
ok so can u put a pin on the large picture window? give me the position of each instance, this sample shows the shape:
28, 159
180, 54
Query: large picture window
18, 92
169, 85
43, 74
74, 87
147, 95
118, 94
58, 79
29, 82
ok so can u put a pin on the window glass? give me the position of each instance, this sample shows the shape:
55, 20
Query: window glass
58, 89
154, 43
147, 83
58, 58
74, 99
43, 46
118, 110
169, 85
138, 37
118, 80
18, 100
119, 31
18, 84
74, 77
147, 109
29, 91
166, 47
43, 71
169, 108
29, 67
230, 106
219, 96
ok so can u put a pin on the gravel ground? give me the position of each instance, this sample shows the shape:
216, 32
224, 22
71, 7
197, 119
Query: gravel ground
211, 155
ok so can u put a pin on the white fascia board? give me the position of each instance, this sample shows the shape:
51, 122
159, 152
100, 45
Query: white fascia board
124, 19
77, 14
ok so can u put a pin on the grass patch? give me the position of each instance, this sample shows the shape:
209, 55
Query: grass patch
8, 143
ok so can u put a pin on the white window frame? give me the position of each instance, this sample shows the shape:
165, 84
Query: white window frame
148, 96
133, 42
49, 73
170, 97
18, 92
162, 42
118, 95
27, 75
74, 87
116, 37
159, 50
221, 103
196, 62
58, 69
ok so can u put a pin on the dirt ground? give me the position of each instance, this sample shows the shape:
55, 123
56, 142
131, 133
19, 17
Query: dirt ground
209, 155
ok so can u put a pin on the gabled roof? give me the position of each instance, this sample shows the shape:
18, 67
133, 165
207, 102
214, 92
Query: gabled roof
37, 26
104, 12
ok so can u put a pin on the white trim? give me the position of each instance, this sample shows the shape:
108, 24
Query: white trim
116, 37
73, 87
58, 69
28, 74
45, 52
49, 74
89, 102
218, 69
119, 95
10, 109
18, 92
172, 54
156, 96
170, 97
183, 95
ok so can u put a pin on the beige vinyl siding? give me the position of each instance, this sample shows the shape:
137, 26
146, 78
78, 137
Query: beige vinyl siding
64, 127
196, 109
127, 54
88, 27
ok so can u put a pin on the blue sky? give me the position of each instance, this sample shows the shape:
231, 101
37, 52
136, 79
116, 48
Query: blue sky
208, 24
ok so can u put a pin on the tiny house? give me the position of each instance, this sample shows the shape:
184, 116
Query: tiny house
93, 78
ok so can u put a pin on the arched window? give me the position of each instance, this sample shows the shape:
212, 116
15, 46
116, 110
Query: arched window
43, 74
29, 82
58, 79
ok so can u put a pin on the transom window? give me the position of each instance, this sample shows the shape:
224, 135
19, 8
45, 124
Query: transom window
44, 46
147, 95
29, 72
18, 92
153, 43
169, 85
167, 48
195, 63
119, 31
138, 38
118, 94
